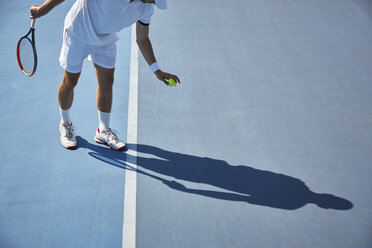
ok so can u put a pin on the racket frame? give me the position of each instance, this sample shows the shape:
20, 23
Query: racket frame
32, 41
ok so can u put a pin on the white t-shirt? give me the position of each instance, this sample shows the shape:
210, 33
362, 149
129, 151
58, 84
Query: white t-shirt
96, 22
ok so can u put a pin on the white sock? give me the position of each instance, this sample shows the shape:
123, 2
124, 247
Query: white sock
103, 121
65, 116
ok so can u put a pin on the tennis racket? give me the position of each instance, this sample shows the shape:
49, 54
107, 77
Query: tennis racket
26, 52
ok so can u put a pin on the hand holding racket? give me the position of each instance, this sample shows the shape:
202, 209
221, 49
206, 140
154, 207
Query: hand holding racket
26, 51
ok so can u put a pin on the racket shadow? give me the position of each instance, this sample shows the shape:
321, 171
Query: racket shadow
240, 183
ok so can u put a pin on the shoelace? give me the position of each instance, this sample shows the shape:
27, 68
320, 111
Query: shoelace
69, 131
112, 136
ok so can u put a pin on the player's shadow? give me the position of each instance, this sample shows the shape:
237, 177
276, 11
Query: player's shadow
238, 183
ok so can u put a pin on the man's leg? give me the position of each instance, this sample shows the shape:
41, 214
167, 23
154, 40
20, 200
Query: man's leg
65, 98
105, 79
66, 89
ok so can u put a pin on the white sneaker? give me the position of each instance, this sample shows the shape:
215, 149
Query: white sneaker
109, 138
68, 138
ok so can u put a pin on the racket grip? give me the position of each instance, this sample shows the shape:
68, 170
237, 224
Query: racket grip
33, 23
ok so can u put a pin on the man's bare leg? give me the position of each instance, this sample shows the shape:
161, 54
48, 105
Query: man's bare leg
66, 89
65, 98
105, 79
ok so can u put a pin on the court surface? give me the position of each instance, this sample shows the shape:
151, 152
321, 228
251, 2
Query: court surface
265, 143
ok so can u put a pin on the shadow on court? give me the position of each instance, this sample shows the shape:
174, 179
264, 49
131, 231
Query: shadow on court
244, 183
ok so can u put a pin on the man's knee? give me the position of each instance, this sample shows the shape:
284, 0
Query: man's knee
70, 79
105, 76
106, 81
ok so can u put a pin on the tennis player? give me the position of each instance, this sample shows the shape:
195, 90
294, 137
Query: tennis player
90, 32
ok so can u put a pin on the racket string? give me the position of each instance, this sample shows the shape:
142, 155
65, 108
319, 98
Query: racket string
26, 55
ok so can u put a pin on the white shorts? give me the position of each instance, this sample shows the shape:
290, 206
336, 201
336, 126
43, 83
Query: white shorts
74, 52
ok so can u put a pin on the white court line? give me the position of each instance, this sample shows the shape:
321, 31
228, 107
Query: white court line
130, 190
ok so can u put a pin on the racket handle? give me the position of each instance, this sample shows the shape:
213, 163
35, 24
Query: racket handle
33, 23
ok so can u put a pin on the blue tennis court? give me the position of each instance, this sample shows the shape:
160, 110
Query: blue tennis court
265, 143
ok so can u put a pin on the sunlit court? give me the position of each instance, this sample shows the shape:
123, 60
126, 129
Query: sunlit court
186, 124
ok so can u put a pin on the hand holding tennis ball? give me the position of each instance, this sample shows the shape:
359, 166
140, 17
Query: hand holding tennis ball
167, 78
171, 82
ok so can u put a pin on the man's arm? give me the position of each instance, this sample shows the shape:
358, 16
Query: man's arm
144, 44
48, 5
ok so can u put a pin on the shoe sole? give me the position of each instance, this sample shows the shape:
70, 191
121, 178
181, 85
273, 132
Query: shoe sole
68, 147
104, 143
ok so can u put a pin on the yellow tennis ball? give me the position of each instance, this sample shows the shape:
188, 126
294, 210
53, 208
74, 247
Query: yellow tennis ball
171, 82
